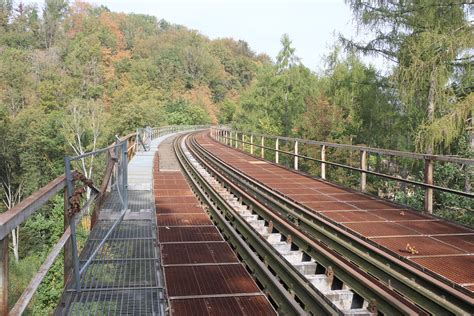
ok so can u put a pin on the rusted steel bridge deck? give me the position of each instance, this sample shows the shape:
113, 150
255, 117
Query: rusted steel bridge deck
437, 247
203, 275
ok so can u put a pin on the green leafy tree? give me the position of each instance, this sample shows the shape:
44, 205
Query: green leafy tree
181, 112
276, 100
428, 42
53, 13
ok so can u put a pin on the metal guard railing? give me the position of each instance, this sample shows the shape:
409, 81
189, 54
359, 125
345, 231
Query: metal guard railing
115, 177
234, 138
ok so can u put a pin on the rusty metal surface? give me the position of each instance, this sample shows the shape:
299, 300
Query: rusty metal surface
430, 227
329, 206
464, 242
183, 219
425, 246
182, 208
188, 234
199, 266
381, 229
208, 280
244, 305
189, 253
178, 199
456, 268
312, 197
165, 192
387, 224
398, 215
352, 216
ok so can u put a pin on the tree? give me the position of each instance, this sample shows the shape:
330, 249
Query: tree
6, 10
322, 120
82, 127
276, 99
16, 88
53, 12
428, 41
181, 112
367, 102
12, 196
286, 60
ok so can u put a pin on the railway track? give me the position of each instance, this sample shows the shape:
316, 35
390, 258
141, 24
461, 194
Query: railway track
301, 273
424, 290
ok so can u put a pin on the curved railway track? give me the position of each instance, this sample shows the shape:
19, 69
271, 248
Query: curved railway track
423, 289
300, 272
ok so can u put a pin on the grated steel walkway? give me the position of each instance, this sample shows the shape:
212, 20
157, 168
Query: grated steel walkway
124, 278
203, 275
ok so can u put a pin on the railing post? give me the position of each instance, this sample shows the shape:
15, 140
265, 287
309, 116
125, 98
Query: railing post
236, 137
243, 142
251, 144
428, 191
136, 141
125, 175
4, 276
363, 166
323, 165
276, 150
296, 155
72, 224
262, 150
67, 246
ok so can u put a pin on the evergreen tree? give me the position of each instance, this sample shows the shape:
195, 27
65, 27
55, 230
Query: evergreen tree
430, 43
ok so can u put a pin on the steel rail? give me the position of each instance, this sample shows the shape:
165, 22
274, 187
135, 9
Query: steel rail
220, 211
388, 301
378, 174
428, 291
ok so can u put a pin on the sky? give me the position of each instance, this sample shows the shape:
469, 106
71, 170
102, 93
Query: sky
312, 25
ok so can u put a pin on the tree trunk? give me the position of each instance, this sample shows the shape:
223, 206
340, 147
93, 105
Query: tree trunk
431, 105
11, 198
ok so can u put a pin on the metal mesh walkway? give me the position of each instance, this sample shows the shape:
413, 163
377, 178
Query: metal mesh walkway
124, 277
